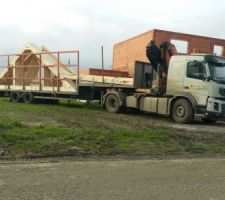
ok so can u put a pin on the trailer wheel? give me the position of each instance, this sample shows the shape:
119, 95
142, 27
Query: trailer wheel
28, 97
15, 97
182, 111
112, 103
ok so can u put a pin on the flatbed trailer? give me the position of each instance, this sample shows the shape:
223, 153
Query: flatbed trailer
192, 88
35, 72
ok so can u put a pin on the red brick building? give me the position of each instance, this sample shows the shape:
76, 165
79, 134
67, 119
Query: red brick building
126, 52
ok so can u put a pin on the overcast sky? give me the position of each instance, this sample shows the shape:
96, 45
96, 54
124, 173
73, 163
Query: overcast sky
88, 24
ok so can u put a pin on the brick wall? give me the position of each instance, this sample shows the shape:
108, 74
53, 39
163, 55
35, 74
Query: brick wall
125, 53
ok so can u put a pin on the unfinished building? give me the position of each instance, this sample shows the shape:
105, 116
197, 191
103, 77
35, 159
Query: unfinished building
134, 49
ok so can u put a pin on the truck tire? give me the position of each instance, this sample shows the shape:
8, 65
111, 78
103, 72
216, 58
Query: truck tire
182, 111
15, 97
28, 97
112, 104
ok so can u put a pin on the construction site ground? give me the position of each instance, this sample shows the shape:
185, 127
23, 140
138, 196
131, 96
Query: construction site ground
81, 130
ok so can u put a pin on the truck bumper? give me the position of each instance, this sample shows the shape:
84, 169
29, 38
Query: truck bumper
215, 108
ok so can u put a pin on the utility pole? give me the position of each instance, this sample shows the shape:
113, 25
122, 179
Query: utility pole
102, 64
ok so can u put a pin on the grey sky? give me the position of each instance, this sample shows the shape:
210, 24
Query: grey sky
88, 24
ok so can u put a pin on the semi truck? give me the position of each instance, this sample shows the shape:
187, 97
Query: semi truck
190, 86
195, 87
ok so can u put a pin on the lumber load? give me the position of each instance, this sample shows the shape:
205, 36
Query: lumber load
92, 80
35, 68
26, 67
104, 72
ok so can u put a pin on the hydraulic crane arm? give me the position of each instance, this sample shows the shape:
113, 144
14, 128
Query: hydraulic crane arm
160, 59
160, 55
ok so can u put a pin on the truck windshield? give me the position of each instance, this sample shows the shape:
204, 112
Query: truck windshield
217, 71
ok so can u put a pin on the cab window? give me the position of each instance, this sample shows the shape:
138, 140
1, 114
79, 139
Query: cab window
196, 70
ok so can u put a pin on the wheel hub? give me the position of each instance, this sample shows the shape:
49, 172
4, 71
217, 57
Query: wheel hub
113, 103
180, 111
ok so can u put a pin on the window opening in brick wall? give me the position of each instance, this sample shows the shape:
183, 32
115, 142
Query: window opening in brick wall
217, 50
181, 46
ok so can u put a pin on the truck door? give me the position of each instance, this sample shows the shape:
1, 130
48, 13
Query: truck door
195, 82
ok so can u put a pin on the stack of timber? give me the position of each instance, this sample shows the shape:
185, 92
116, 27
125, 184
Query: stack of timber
104, 72
27, 70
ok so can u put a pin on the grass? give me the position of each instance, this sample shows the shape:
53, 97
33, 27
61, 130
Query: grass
48, 140
77, 129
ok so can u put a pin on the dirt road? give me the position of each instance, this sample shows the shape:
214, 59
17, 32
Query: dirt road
114, 179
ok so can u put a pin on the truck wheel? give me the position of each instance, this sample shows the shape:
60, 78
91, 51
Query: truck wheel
15, 97
28, 97
112, 103
182, 111
209, 121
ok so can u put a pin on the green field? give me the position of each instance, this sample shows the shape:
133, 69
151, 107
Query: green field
76, 129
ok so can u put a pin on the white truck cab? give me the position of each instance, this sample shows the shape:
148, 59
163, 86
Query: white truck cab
200, 79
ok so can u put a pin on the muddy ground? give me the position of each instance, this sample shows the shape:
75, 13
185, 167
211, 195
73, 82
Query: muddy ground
76, 129
141, 171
